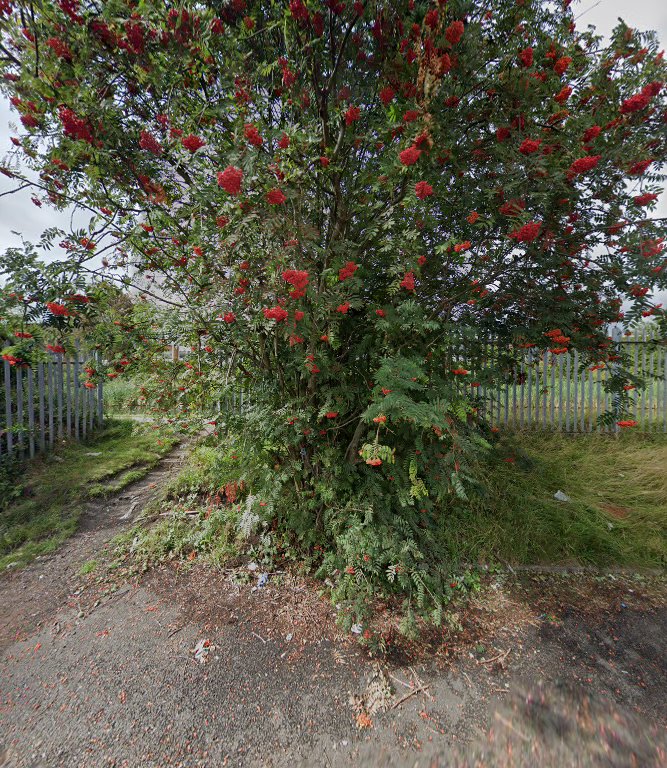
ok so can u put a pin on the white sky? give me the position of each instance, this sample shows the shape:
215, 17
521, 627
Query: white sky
18, 214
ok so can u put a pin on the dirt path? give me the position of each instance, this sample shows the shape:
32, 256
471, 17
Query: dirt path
550, 671
32, 597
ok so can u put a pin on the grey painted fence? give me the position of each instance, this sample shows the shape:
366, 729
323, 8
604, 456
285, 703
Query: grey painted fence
558, 391
46, 404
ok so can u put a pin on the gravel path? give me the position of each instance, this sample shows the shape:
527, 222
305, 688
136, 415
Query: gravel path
94, 678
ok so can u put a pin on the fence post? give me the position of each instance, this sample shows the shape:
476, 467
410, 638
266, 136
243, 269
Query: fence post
31, 414
50, 376
19, 411
616, 400
100, 392
42, 415
8, 408
91, 408
77, 394
59, 394
649, 423
68, 395
664, 393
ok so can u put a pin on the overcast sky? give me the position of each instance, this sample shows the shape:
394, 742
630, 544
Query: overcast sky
18, 214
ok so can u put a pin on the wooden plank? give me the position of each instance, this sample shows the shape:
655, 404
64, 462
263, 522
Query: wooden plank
91, 408
41, 406
651, 384
560, 392
568, 389
664, 391
20, 443
598, 394
84, 410
59, 395
590, 400
523, 387
8, 409
530, 386
635, 344
607, 405
506, 402
77, 396
499, 387
552, 408
514, 394
575, 400
545, 387
644, 417
68, 396
31, 414
49, 400
100, 391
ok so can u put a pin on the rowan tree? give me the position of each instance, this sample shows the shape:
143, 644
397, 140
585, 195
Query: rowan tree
343, 202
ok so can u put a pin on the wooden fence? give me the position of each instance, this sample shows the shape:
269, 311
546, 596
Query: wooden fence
557, 391
46, 404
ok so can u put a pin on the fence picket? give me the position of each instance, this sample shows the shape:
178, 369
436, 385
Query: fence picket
68, 396
59, 395
545, 388
8, 408
77, 397
635, 341
649, 403
100, 393
42, 414
19, 412
49, 402
31, 414
664, 390
575, 372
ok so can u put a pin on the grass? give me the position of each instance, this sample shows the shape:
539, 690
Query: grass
88, 567
55, 487
616, 516
122, 396
211, 533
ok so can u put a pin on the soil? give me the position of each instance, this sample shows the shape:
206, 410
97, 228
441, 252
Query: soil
557, 668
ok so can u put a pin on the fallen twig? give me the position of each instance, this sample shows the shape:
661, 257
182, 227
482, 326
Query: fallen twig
413, 692
420, 682
500, 657
258, 637
402, 682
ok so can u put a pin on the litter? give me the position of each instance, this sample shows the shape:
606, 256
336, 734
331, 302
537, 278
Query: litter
262, 580
560, 496
202, 650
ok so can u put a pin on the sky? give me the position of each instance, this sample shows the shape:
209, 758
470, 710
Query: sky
18, 214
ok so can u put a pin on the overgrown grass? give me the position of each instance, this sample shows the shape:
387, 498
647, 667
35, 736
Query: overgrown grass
123, 396
196, 521
617, 513
55, 487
